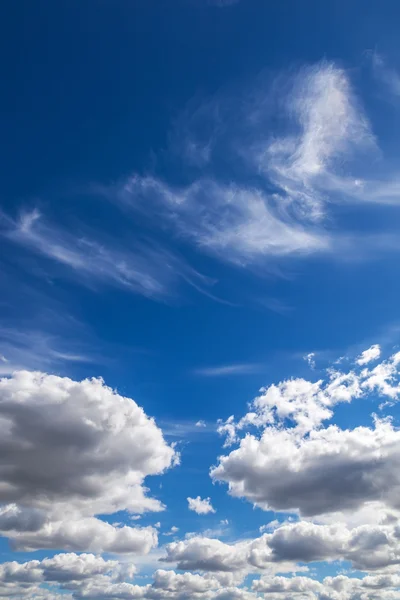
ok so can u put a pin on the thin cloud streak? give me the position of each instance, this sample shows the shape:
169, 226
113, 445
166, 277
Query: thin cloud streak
144, 269
227, 370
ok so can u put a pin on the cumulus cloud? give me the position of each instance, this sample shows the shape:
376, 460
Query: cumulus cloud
69, 571
372, 353
200, 506
308, 468
71, 450
340, 587
329, 470
366, 547
90, 577
88, 533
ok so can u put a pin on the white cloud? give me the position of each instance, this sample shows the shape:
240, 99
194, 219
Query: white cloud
281, 471
225, 370
372, 353
335, 588
29, 348
70, 571
200, 506
145, 269
88, 534
310, 358
172, 531
308, 160
283, 467
238, 224
200, 423
331, 126
205, 554
69, 451
270, 526
222, 567
366, 547
308, 404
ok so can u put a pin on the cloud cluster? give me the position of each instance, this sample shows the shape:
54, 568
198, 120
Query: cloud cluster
69, 451
367, 547
343, 485
309, 468
90, 577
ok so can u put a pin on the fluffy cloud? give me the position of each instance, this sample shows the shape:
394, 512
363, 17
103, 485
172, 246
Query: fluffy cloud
308, 468
372, 353
331, 588
88, 533
69, 571
240, 558
200, 506
69, 451
329, 470
90, 577
367, 547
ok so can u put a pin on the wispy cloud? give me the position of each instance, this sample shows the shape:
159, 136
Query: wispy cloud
236, 223
295, 164
37, 349
386, 75
182, 429
141, 267
227, 370
330, 126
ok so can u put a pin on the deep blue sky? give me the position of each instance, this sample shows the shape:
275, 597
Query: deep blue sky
96, 93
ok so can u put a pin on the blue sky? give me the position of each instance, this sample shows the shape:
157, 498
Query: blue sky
199, 216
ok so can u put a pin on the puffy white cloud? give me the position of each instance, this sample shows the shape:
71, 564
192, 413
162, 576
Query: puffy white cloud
200, 506
327, 471
69, 571
308, 468
212, 555
372, 353
307, 403
367, 547
89, 534
331, 588
90, 577
68, 451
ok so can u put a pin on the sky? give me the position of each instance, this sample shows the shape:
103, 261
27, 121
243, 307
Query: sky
199, 324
